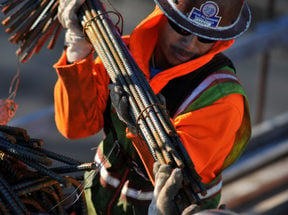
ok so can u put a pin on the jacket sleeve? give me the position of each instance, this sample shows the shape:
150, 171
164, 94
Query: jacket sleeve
208, 134
80, 95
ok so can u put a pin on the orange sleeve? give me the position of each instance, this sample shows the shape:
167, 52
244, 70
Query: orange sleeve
80, 95
208, 134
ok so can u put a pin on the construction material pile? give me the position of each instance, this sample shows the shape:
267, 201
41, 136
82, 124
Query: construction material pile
31, 23
28, 182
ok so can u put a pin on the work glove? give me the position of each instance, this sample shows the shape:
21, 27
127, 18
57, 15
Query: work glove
168, 181
77, 46
120, 101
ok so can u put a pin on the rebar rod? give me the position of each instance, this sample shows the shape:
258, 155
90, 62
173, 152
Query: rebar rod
25, 27
12, 199
54, 38
113, 70
36, 31
119, 59
23, 153
74, 168
130, 72
30, 187
43, 170
11, 5
17, 18
60, 157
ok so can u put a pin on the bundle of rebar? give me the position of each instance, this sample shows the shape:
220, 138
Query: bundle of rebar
28, 183
32, 23
151, 119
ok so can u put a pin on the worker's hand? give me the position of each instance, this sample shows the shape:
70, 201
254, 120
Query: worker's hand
168, 181
77, 45
120, 101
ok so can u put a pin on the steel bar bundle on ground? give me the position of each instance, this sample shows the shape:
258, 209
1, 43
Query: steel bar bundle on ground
28, 183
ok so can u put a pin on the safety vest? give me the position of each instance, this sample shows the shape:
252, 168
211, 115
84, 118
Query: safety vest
122, 182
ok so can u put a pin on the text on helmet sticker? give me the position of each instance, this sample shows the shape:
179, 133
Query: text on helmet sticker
206, 15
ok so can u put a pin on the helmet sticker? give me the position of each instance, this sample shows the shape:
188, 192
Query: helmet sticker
207, 15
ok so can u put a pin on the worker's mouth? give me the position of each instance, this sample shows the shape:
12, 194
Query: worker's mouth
181, 54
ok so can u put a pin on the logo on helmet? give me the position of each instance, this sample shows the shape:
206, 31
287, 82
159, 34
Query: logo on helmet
206, 15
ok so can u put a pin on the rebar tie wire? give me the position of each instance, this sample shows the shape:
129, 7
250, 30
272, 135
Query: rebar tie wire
152, 122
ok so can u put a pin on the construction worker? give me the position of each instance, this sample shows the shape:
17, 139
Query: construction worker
178, 47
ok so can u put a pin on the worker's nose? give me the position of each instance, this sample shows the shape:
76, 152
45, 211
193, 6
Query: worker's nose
189, 41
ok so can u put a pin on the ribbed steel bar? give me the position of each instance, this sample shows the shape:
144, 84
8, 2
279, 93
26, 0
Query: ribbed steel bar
16, 19
112, 67
54, 37
25, 188
40, 39
120, 58
25, 27
23, 153
12, 199
54, 199
81, 200
10, 5
74, 168
60, 157
36, 31
44, 171
131, 72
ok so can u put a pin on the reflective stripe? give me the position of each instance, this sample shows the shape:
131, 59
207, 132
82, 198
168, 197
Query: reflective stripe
201, 88
114, 182
136, 194
216, 188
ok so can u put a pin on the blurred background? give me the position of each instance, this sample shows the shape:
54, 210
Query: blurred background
261, 59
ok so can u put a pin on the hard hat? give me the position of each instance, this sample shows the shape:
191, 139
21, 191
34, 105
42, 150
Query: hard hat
210, 19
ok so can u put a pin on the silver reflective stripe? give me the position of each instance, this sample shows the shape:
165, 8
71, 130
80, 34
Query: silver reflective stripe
201, 88
213, 190
114, 182
136, 194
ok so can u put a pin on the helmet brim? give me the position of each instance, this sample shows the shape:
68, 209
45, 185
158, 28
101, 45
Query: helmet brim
233, 31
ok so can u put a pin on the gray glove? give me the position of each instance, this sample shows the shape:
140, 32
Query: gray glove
77, 46
168, 181
120, 102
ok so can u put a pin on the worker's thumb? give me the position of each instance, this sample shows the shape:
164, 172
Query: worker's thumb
172, 185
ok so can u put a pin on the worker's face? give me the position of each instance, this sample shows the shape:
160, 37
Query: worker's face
173, 48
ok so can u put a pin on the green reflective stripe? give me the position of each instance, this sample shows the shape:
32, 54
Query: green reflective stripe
241, 139
214, 93
211, 203
213, 200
